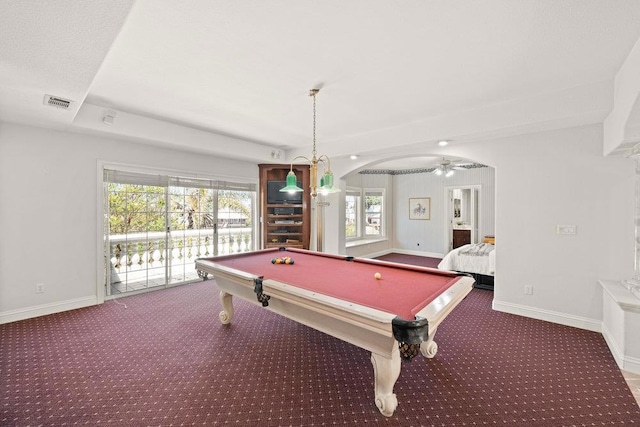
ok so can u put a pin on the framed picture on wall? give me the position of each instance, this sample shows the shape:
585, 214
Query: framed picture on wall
420, 208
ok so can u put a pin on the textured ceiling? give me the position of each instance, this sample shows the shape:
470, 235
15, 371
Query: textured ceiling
52, 48
392, 72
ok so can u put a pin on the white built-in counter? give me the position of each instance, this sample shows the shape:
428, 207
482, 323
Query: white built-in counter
621, 324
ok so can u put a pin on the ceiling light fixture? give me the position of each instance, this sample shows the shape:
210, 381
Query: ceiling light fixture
443, 143
445, 168
326, 181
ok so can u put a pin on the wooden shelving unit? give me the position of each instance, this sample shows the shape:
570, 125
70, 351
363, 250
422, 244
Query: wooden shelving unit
285, 224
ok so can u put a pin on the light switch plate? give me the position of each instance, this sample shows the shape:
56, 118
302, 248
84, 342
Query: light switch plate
566, 229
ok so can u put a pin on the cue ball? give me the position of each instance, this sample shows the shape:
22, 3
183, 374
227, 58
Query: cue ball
378, 276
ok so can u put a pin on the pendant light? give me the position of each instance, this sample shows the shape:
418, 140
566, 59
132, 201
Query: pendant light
325, 186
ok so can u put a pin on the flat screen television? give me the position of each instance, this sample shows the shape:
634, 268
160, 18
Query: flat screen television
274, 195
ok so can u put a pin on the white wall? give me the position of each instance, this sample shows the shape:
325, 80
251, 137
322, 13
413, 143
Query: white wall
48, 214
559, 178
547, 179
430, 236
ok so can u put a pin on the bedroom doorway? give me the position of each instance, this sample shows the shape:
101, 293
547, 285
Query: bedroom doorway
461, 216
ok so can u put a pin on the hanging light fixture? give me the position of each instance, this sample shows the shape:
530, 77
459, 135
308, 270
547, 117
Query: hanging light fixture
326, 181
444, 168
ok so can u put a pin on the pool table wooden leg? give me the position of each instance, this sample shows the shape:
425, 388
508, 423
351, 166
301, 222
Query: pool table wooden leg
386, 371
429, 348
227, 308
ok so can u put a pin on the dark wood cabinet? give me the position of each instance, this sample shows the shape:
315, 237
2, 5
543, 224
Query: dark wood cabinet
285, 224
461, 237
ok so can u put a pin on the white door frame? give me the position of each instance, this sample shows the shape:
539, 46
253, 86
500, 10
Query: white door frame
474, 215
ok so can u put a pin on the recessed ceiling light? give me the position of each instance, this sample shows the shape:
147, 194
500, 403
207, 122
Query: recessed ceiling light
443, 142
353, 157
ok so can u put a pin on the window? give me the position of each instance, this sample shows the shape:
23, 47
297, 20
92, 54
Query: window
352, 214
364, 213
373, 212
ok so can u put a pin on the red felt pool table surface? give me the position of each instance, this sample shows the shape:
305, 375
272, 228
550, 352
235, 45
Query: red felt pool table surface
402, 290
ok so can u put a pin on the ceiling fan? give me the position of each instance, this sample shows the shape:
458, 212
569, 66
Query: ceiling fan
447, 167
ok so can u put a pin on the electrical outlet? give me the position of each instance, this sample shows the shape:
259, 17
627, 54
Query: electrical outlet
39, 288
528, 289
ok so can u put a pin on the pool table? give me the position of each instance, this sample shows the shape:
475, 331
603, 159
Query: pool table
394, 315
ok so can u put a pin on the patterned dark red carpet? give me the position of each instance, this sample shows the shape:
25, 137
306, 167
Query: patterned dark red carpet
166, 360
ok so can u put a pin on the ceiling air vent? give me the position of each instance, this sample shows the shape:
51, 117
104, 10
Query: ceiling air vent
55, 101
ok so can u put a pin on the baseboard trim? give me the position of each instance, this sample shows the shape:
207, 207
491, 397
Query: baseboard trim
548, 316
45, 309
618, 356
625, 363
376, 254
631, 364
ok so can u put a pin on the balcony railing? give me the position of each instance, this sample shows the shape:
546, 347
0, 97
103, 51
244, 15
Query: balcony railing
144, 260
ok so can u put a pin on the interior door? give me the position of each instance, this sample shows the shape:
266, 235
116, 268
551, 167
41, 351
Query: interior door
461, 212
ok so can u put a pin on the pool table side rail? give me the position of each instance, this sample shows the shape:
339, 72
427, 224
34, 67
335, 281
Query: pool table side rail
363, 326
236, 255
215, 269
419, 268
370, 333
438, 309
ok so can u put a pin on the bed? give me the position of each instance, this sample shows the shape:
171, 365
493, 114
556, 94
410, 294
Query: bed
477, 259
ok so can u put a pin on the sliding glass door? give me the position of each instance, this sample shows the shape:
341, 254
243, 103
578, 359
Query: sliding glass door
136, 236
193, 233
157, 226
235, 213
